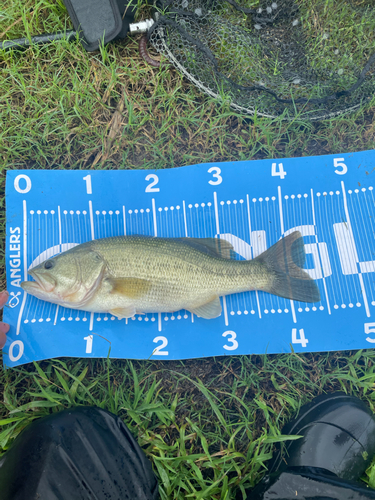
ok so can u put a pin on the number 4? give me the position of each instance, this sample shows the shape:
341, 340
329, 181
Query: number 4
302, 339
278, 173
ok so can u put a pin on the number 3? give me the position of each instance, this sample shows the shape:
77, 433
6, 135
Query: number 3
217, 175
231, 340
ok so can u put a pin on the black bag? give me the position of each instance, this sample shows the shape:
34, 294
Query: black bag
95, 21
99, 21
77, 454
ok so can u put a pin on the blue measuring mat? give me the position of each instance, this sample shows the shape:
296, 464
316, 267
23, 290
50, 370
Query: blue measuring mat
252, 204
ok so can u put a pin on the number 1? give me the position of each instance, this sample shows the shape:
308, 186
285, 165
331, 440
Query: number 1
88, 184
89, 340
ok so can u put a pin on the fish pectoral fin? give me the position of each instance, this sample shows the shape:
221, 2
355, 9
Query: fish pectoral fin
133, 288
123, 312
209, 310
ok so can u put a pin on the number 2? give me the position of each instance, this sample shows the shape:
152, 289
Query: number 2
150, 188
164, 343
216, 174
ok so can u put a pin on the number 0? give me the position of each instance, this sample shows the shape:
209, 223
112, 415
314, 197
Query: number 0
17, 183
20, 345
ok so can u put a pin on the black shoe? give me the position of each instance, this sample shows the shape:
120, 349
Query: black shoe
308, 484
338, 435
337, 446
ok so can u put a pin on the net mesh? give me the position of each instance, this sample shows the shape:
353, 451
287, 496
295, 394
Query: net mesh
311, 58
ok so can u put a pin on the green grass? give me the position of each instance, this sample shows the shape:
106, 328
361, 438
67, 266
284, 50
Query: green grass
208, 426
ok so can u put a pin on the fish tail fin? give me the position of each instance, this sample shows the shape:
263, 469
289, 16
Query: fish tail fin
284, 260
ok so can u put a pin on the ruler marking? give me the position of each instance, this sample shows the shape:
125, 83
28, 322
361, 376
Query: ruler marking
24, 215
57, 311
225, 311
280, 209
154, 217
60, 230
363, 227
320, 257
124, 217
359, 273
91, 322
368, 314
91, 220
252, 253
259, 311
185, 222
293, 311
216, 214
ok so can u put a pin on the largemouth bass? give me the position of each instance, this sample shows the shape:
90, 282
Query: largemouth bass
128, 275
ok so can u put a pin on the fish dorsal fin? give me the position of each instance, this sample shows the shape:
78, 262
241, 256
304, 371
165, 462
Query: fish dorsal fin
212, 246
133, 288
209, 310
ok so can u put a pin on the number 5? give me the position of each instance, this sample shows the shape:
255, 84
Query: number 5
337, 162
370, 328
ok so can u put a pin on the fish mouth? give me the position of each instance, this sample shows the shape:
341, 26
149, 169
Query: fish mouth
42, 283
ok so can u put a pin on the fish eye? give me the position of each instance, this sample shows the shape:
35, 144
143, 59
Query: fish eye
48, 264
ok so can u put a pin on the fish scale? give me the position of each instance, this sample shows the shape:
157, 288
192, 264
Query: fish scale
126, 275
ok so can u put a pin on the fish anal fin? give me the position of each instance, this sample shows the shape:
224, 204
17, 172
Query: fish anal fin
132, 288
123, 312
216, 247
209, 310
